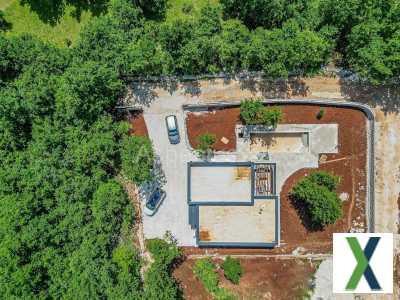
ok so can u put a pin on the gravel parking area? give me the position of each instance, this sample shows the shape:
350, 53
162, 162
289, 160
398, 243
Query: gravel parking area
172, 215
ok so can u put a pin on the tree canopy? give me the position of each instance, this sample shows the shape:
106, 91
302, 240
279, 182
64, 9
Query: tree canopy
317, 194
65, 220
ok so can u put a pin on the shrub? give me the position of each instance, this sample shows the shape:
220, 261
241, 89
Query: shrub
271, 116
250, 110
253, 112
232, 269
159, 283
205, 270
318, 192
320, 114
205, 142
163, 250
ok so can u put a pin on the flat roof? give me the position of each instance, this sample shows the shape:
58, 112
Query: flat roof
255, 224
220, 182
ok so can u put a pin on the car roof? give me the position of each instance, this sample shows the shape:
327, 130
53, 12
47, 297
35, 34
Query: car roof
171, 122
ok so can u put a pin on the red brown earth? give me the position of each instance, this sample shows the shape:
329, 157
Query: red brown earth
349, 163
137, 124
220, 122
263, 278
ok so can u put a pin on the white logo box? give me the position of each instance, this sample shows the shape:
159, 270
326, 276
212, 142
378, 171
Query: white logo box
381, 262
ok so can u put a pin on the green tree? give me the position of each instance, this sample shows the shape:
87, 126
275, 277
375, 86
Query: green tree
86, 91
148, 58
269, 13
137, 158
318, 193
231, 43
253, 112
103, 40
283, 52
372, 53
326, 179
127, 272
153, 9
62, 215
4, 25
125, 16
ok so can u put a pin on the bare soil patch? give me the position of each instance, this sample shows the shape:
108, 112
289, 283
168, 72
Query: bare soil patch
349, 163
190, 285
263, 278
218, 122
137, 124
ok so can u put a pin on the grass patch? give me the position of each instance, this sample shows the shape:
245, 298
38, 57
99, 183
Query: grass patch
178, 9
23, 20
5, 3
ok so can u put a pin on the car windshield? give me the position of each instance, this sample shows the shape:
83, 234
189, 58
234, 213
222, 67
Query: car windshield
151, 204
171, 123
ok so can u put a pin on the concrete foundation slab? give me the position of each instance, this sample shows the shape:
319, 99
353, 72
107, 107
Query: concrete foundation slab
238, 224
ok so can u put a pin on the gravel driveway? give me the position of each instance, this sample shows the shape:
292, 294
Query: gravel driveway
172, 215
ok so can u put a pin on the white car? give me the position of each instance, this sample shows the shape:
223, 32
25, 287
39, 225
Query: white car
172, 129
154, 201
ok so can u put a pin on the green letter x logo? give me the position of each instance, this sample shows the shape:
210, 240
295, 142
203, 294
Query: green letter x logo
363, 267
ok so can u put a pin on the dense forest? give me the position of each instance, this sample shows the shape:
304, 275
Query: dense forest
65, 219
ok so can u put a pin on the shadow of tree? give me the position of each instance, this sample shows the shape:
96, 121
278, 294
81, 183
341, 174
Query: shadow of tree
304, 215
51, 11
4, 25
385, 96
143, 92
281, 88
192, 88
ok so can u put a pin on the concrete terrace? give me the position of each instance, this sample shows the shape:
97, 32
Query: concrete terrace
322, 138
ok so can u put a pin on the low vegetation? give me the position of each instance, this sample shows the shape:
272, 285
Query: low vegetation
159, 283
232, 269
205, 143
206, 271
320, 114
318, 193
254, 112
62, 31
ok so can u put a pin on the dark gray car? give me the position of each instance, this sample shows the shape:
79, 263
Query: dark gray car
172, 129
154, 201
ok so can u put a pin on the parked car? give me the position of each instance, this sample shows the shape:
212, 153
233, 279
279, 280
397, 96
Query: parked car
154, 201
172, 129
